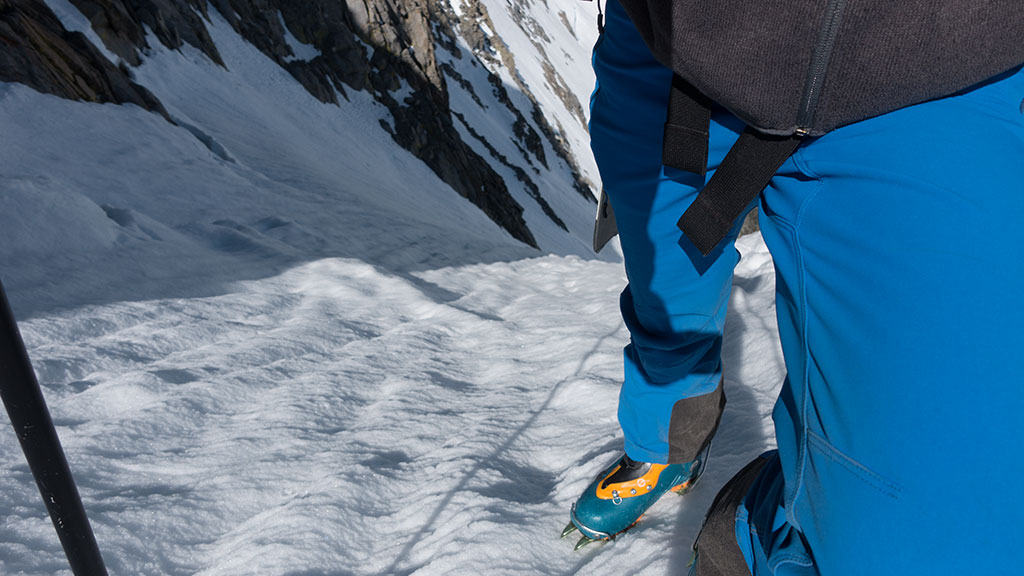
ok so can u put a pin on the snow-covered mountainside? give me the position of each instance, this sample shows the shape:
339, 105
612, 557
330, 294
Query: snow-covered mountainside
485, 94
245, 127
275, 336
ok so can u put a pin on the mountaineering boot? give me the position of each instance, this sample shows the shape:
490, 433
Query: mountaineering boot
620, 495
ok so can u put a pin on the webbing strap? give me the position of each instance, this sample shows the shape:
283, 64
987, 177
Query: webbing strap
743, 174
687, 128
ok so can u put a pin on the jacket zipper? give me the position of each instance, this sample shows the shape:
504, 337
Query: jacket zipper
819, 65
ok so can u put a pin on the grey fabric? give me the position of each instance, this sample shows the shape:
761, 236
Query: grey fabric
605, 227
718, 554
692, 425
754, 58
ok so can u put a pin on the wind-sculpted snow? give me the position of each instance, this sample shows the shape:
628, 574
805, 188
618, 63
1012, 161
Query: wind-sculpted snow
341, 419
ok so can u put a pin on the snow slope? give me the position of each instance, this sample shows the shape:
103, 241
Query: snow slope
340, 419
275, 343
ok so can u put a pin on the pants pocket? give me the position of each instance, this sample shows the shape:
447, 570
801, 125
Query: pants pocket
847, 512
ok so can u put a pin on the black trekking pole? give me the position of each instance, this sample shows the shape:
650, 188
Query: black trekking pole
23, 399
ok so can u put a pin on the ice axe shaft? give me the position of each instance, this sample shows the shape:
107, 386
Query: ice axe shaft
26, 407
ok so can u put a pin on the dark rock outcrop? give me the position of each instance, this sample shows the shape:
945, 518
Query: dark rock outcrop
119, 24
39, 52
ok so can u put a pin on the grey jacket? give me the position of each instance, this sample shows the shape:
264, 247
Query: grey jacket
808, 66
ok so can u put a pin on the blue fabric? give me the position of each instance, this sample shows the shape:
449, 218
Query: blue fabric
674, 306
899, 267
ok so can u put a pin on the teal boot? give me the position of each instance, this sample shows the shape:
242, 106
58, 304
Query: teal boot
620, 495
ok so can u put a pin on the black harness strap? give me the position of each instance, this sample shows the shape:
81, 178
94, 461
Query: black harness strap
743, 174
687, 129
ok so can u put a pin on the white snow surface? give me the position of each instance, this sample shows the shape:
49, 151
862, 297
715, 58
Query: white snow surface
275, 343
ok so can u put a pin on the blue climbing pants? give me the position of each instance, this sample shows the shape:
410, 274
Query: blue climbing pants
899, 256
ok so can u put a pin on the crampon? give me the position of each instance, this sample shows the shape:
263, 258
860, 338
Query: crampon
620, 495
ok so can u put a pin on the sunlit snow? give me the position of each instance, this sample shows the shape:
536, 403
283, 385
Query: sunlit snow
275, 343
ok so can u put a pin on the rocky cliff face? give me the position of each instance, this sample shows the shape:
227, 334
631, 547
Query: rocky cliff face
39, 52
385, 47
